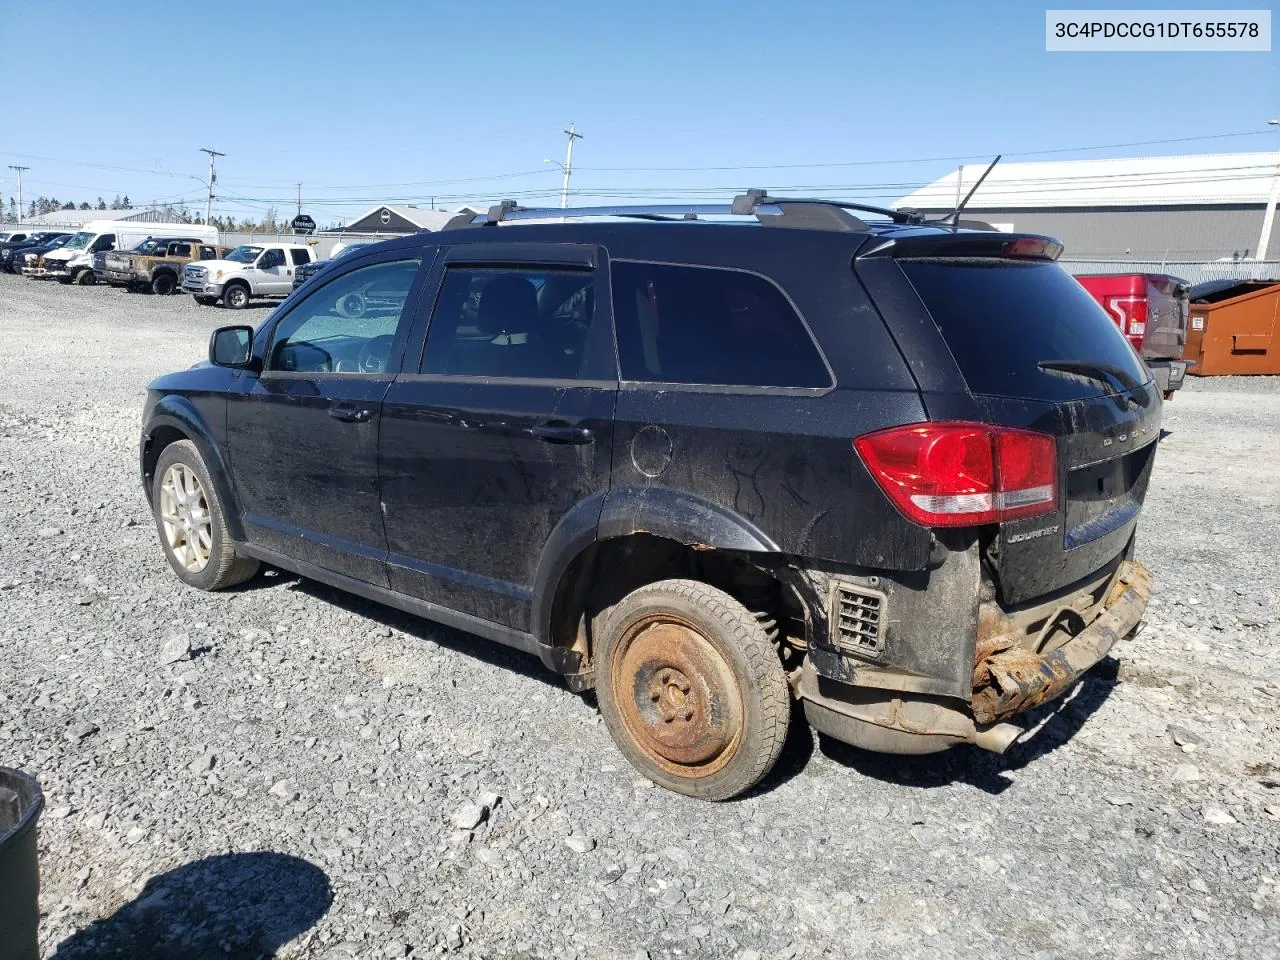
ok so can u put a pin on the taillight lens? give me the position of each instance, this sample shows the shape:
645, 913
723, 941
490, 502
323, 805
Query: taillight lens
1130, 315
963, 474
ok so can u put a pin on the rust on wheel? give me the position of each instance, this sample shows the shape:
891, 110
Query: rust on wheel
677, 696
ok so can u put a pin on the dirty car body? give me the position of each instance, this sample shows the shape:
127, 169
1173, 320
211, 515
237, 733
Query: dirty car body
139, 269
917, 455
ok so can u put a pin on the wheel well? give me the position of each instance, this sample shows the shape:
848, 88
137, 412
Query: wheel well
161, 437
605, 572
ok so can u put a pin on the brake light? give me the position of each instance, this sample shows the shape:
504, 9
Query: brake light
1040, 248
1130, 315
963, 474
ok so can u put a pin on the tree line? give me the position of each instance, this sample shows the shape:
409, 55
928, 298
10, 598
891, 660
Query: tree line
269, 223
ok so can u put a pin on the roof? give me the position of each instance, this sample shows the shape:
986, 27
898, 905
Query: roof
419, 217
78, 218
1198, 179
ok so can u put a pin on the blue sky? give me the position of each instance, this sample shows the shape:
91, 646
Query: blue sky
372, 101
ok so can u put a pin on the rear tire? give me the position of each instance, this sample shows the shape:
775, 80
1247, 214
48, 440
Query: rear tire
691, 689
163, 284
191, 522
235, 296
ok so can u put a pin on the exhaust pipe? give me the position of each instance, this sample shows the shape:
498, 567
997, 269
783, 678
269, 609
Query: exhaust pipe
998, 737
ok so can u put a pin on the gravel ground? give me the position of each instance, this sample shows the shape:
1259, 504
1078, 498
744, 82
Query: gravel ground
284, 770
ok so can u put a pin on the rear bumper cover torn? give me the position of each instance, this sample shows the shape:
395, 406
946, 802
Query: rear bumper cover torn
1006, 683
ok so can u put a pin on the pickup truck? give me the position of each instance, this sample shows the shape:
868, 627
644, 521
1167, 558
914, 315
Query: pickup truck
156, 265
1151, 310
248, 271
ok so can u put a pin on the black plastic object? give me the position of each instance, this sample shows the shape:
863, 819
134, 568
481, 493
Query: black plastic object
20, 804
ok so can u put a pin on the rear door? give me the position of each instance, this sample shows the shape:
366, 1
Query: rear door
506, 426
1031, 349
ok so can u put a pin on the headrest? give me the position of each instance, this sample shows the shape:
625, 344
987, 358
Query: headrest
507, 305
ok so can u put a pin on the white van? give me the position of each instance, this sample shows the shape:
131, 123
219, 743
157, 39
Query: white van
74, 262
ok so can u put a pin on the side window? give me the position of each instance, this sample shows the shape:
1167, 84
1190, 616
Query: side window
300, 257
510, 322
208, 253
105, 242
180, 250
347, 325
683, 324
272, 258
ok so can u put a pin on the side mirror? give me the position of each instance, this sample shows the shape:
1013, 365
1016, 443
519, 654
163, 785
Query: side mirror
231, 347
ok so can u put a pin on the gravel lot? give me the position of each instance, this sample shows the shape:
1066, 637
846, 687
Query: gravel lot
293, 785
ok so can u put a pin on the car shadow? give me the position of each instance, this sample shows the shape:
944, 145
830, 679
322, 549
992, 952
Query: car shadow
487, 651
240, 906
1058, 722
796, 753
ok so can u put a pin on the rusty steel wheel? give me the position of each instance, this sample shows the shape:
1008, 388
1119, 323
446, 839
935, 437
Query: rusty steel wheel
691, 689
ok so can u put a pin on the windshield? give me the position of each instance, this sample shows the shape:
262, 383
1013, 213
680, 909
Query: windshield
1003, 319
244, 254
61, 241
80, 241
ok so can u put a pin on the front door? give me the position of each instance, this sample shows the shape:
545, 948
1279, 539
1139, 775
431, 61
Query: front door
303, 435
275, 276
507, 426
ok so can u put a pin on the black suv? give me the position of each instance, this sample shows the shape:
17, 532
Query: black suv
888, 468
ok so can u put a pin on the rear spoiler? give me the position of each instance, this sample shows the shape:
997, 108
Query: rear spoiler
987, 244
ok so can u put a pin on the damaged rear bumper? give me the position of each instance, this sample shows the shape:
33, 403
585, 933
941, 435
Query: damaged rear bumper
1008, 680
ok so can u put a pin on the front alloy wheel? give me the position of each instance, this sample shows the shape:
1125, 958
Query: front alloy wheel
190, 520
235, 296
184, 512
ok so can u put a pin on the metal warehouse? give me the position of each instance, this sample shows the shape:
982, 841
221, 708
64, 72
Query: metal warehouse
1202, 207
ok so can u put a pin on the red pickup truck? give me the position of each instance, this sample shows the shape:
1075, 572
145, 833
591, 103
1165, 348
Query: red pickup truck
1151, 309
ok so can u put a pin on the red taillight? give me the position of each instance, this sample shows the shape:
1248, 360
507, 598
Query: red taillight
963, 474
1130, 314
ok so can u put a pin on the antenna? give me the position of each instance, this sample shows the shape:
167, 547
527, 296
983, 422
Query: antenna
953, 218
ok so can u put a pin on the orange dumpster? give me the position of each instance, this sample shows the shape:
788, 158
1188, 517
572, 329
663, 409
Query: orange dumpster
1234, 328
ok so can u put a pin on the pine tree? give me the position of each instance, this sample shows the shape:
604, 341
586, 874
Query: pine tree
69, 205
124, 204
101, 204
115, 204
84, 205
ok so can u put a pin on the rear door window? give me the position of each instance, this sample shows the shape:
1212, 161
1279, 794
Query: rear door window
300, 257
707, 325
1002, 318
527, 323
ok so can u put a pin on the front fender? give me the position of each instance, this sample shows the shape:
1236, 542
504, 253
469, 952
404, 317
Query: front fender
174, 412
655, 510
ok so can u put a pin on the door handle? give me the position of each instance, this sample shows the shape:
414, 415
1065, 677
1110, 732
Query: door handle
563, 433
350, 413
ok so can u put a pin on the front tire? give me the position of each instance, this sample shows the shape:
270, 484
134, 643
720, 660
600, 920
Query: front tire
191, 523
85, 278
235, 296
691, 689
206, 301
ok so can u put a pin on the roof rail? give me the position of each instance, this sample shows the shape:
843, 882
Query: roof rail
811, 213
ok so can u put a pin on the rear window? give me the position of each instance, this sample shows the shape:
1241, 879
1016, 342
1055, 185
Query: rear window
705, 325
1001, 318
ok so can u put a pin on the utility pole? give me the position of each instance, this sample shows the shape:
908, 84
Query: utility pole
959, 184
208, 205
1269, 217
568, 166
299, 198
19, 170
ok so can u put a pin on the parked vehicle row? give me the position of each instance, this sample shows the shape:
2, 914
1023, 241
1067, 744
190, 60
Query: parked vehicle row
17, 245
74, 261
156, 264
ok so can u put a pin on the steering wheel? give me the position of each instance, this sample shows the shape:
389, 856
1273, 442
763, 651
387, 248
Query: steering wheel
374, 354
